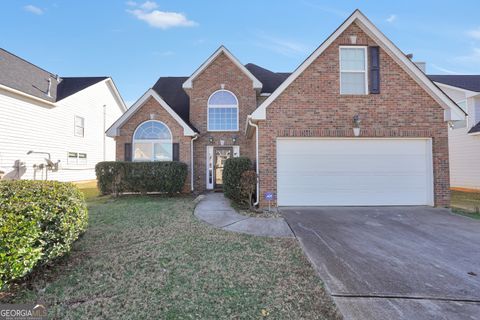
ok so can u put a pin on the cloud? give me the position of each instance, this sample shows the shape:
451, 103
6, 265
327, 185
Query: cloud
474, 33
472, 57
283, 46
131, 3
444, 70
32, 9
149, 5
391, 18
160, 19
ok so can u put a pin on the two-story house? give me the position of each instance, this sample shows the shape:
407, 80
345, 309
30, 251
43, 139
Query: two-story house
357, 123
53, 127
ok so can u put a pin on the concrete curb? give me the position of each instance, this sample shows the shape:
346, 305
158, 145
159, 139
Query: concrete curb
215, 210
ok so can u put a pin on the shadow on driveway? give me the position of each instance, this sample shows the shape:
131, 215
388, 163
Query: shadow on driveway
393, 262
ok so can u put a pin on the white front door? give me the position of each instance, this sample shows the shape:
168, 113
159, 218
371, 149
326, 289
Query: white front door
354, 172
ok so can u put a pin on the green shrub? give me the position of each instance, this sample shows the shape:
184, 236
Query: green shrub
115, 177
39, 221
232, 174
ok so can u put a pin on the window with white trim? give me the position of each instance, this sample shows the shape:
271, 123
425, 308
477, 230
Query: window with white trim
76, 158
353, 70
152, 141
222, 111
79, 126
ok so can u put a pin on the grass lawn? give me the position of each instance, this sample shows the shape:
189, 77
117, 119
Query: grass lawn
149, 258
466, 203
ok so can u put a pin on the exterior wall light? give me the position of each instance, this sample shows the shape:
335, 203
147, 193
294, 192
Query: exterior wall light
210, 140
356, 125
234, 139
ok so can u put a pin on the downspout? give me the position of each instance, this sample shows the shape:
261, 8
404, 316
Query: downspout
195, 137
256, 158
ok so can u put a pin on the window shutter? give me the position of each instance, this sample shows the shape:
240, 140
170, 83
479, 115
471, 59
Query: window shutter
128, 152
374, 53
176, 151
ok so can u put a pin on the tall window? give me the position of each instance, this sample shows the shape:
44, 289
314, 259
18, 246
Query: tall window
152, 141
353, 70
79, 126
222, 111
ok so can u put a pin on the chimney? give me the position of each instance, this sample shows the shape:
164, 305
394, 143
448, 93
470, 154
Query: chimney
421, 65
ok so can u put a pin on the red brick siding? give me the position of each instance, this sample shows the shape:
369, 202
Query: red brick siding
312, 106
221, 71
151, 106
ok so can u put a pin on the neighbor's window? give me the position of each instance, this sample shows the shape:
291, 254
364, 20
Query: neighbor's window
152, 141
222, 111
72, 158
79, 126
353, 70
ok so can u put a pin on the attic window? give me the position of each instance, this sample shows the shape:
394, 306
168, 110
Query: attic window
353, 70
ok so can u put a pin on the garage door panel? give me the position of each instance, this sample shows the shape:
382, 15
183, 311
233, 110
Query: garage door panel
352, 172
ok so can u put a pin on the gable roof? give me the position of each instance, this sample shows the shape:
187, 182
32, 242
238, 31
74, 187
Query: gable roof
114, 131
24, 77
72, 85
170, 89
467, 82
452, 110
189, 82
475, 128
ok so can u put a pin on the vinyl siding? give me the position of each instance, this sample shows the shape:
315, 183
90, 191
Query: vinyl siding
464, 149
28, 125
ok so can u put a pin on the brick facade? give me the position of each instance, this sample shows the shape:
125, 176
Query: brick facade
313, 107
222, 71
152, 110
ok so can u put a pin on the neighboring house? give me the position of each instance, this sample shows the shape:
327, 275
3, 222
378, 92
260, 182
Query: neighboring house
298, 127
46, 116
463, 136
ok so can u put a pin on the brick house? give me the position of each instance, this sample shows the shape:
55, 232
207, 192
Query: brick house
357, 123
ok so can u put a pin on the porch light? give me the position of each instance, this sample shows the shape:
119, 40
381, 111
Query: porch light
356, 125
210, 139
234, 139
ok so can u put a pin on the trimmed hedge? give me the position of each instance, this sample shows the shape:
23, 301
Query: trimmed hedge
115, 177
232, 175
39, 221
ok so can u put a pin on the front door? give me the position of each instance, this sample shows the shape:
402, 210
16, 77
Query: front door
221, 155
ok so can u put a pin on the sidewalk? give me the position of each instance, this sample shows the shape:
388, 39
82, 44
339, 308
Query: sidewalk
215, 209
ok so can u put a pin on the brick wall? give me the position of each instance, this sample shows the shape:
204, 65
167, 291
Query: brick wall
312, 106
222, 71
152, 107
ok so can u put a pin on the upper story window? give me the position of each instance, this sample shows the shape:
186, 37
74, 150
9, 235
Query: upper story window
353, 70
222, 111
79, 126
152, 141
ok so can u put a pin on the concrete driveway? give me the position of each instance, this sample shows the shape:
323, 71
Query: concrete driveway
393, 262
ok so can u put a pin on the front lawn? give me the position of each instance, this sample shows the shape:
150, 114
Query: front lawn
150, 258
466, 203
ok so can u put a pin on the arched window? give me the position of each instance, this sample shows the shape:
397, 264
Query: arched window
222, 111
152, 141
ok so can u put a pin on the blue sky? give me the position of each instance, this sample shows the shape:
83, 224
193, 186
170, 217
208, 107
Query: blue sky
136, 42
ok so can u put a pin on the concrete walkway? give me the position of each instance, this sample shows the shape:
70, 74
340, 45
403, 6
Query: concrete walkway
215, 209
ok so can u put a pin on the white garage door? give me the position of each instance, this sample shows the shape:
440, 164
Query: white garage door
354, 172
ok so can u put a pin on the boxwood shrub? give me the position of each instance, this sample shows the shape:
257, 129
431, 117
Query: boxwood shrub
232, 175
115, 177
39, 221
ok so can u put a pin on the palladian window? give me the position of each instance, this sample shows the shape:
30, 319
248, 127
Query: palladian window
222, 111
152, 141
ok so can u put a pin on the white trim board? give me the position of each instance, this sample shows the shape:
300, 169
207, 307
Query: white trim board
113, 131
452, 111
189, 83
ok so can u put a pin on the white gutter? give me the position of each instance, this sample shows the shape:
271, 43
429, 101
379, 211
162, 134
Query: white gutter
20, 93
256, 158
195, 137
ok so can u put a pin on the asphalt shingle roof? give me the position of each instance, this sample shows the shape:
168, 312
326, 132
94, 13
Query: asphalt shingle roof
468, 82
24, 76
